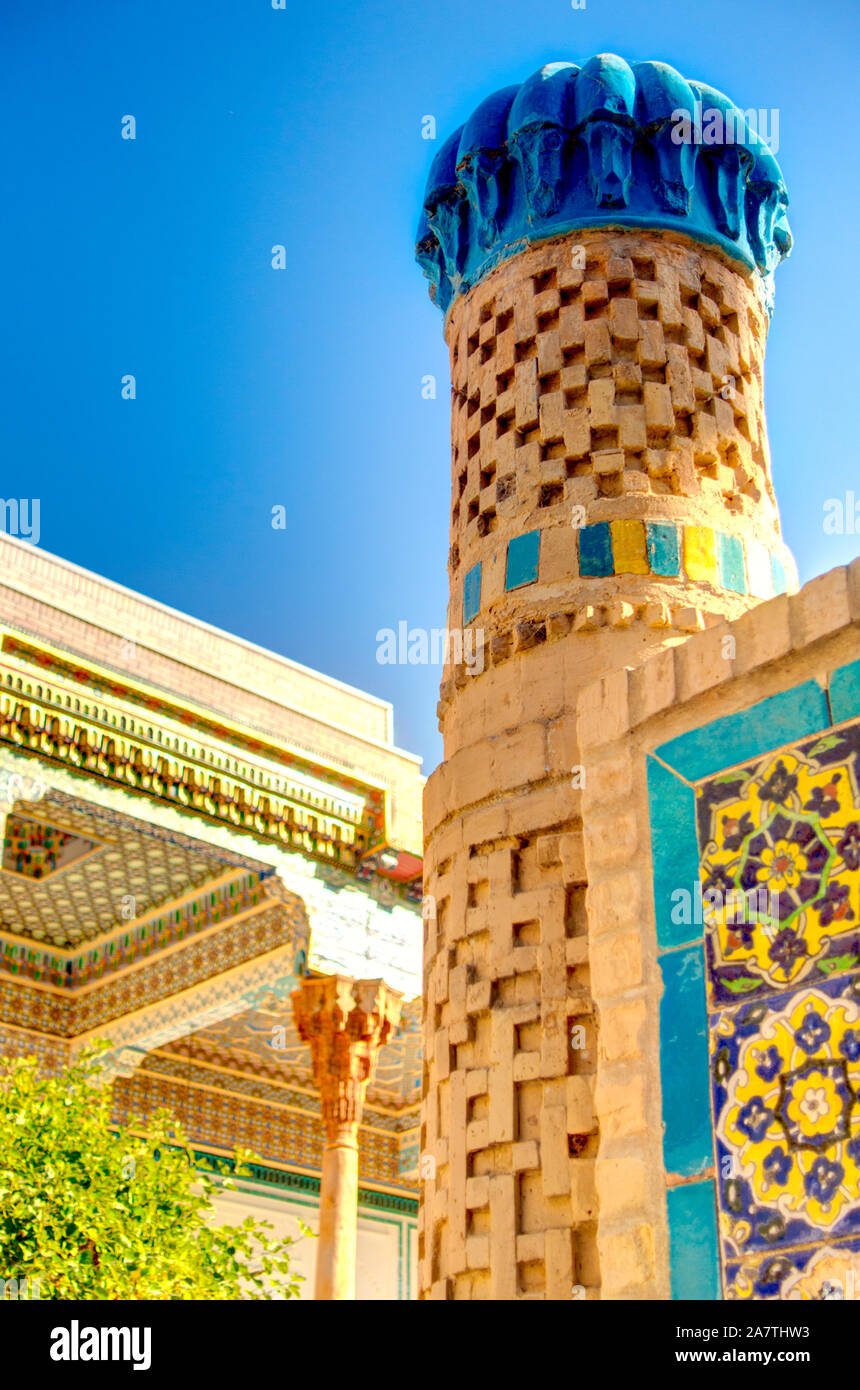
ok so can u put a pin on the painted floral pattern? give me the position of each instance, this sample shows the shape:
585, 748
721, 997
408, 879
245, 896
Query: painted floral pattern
777, 907
825, 1274
780, 867
786, 1075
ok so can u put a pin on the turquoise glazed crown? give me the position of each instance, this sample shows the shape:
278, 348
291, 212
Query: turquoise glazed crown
603, 145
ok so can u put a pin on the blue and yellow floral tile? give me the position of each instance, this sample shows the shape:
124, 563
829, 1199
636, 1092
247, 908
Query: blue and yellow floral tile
812, 1273
786, 1104
779, 845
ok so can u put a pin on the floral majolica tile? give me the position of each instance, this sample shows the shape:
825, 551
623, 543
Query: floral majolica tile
812, 1273
786, 1105
779, 845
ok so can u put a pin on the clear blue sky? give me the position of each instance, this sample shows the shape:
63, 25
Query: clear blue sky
301, 387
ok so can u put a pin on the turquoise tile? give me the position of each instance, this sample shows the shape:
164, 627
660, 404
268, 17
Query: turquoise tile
730, 550
688, 1146
522, 562
472, 593
782, 718
693, 1257
664, 555
674, 851
845, 692
777, 569
595, 550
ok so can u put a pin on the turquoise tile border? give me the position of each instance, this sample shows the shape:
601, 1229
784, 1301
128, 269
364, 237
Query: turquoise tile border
674, 850
845, 692
730, 552
782, 718
521, 566
777, 569
472, 594
692, 1234
664, 551
595, 551
688, 1144
741, 567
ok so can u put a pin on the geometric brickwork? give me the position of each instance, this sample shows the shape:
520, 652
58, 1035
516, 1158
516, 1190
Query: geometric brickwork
620, 349
611, 493
629, 389
608, 424
508, 1203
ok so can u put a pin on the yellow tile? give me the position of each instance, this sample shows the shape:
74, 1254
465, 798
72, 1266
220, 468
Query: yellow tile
628, 547
700, 556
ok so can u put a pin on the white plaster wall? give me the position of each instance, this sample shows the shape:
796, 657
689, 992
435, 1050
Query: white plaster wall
387, 1264
351, 934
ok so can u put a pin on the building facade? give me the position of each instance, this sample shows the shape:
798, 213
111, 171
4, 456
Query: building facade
629, 1066
193, 828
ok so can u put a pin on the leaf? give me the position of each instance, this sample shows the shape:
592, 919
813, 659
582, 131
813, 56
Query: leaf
837, 963
742, 985
146, 1237
825, 744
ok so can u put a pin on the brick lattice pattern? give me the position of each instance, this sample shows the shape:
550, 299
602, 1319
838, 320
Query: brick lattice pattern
631, 388
598, 388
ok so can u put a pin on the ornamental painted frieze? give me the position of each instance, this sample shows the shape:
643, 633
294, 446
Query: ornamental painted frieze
37, 849
138, 766
780, 868
779, 875
786, 1102
827, 1273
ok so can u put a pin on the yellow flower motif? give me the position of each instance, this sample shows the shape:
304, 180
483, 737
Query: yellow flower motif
781, 868
784, 866
758, 1113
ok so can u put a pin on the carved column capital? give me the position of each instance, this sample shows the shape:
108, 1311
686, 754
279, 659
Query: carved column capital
344, 1022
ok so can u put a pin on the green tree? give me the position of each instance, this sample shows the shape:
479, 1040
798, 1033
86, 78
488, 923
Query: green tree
98, 1212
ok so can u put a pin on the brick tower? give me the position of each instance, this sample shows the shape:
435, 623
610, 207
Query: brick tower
606, 279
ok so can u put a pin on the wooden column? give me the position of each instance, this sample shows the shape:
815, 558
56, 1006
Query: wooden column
344, 1022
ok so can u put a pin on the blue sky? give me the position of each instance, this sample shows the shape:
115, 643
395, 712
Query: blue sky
302, 387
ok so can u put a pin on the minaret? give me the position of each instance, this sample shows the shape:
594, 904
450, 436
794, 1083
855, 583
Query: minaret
601, 241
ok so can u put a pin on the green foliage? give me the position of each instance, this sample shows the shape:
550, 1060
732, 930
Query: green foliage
96, 1212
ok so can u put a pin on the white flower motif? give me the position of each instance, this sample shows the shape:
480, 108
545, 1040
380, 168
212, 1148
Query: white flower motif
814, 1104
